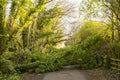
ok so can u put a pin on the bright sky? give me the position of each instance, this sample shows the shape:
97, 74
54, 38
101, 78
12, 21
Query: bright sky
68, 20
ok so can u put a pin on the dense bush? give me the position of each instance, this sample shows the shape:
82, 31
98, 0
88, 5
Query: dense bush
91, 42
18, 57
88, 29
30, 67
14, 77
84, 52
39, 67
87, 60
21, 57
35, 61
50, 66
7, 55
9, 77
71, 55
6, 66
37, 56
83, 57
42, 63
81, 54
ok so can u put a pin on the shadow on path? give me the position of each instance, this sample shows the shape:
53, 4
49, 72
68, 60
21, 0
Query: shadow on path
65, 74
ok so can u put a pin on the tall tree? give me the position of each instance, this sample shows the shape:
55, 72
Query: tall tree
29, 25
114, 7
3, 28
105, 11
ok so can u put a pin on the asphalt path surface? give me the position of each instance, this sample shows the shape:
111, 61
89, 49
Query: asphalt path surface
70, 74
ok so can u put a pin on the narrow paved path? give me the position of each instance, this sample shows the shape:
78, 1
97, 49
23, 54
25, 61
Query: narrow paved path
73, 74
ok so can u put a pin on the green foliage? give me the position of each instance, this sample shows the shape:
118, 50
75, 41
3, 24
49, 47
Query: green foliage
14, 78
90, 47
50, 66
7, 55
52, 62
6, 66
87, 60
71, 55
9, 77
30, 67
42, 62
37, 56
2, 76
29, 25
83, 57
21, 57
91, 42
84, 51
89, 28
32, 26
